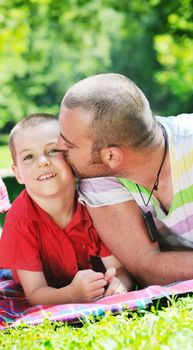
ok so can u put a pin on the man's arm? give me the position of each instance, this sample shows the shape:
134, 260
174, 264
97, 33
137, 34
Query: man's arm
122, 229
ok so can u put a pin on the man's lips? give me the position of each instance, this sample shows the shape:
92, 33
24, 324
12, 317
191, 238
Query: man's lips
46, 176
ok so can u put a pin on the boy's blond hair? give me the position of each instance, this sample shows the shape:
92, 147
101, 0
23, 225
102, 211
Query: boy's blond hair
28, 122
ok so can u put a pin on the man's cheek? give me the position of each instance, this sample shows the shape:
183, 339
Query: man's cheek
65, 155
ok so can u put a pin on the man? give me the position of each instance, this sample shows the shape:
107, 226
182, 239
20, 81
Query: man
108, 129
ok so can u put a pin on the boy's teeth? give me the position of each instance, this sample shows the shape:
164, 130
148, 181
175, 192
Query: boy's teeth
47, 176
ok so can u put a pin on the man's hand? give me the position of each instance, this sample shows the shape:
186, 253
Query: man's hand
115, 286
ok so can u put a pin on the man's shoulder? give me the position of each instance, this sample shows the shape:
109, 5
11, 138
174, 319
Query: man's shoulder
101, 191
180, 125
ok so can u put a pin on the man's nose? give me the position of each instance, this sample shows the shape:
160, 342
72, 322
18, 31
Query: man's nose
61, 145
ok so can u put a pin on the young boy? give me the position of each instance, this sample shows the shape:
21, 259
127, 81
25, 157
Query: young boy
48, 236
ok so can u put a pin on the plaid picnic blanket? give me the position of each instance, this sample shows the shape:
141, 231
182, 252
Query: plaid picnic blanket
14, 309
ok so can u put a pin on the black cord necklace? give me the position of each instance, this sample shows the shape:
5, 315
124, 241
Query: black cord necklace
156, 183
148, 218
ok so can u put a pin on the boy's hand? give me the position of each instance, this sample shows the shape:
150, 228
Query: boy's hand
115, 285
87, 286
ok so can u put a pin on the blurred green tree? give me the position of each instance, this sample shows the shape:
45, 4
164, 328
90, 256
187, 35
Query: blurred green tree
156, 51
47, 45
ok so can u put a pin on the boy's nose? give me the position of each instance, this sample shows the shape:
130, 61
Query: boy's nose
44, 161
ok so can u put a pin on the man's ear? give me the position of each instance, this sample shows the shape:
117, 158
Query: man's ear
112, 156
17, 174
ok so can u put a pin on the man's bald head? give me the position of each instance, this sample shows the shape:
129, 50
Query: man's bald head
120, 112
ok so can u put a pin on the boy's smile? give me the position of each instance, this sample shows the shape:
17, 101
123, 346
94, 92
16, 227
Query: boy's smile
46, 177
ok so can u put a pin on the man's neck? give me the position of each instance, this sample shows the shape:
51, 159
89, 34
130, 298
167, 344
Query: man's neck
142, 166
145, 166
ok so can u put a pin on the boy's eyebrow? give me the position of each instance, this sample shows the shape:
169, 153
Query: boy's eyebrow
66, 140
30, 150
25, 150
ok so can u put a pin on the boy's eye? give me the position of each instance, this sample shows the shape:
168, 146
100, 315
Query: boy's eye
54, 151
29, 156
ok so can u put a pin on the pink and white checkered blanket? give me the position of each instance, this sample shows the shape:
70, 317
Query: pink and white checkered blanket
14, 309
4, 200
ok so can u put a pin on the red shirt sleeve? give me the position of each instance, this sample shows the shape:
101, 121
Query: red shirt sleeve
19, 246
97, 247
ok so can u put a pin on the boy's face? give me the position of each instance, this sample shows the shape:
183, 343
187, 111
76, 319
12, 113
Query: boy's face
43, 170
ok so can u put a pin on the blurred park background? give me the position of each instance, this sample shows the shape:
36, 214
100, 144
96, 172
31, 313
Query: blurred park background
47, 45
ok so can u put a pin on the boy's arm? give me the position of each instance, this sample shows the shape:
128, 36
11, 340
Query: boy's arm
117, 276
86, 286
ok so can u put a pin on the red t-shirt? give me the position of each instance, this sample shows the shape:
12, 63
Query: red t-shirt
32, 241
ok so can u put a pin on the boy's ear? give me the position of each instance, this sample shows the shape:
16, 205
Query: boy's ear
17, 174
112, 156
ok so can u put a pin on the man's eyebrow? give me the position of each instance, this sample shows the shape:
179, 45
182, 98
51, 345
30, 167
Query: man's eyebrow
66, 140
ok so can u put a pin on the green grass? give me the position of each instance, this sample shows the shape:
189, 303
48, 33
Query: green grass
13, 188
167, 329
5, 158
